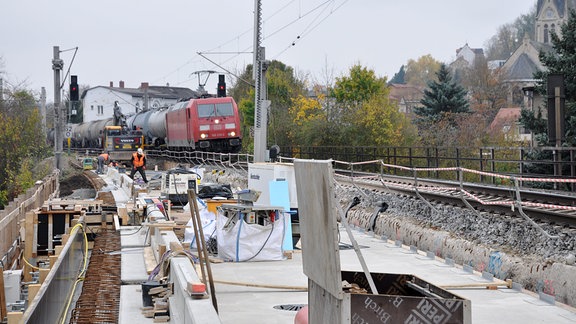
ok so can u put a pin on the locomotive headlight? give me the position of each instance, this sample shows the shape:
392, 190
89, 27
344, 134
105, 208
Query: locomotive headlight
203, 136
216, 121
232, 134
204, 128
230, 126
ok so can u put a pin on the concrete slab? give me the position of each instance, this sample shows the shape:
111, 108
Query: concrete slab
247, 292
259, 286
131, 305
502, 305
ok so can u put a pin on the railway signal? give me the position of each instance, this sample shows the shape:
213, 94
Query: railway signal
221, 86
74, 95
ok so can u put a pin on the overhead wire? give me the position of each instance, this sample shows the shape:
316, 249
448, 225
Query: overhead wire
309, 29
324, 6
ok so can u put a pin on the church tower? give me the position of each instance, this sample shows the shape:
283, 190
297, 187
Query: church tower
550, 15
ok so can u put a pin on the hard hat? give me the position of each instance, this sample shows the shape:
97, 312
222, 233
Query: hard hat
140, 151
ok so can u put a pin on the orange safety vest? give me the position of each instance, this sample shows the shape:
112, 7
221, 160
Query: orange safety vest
105, 156
137, 161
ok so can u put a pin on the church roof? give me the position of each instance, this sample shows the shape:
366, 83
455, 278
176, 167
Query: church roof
524, 62
523, 68
559, 4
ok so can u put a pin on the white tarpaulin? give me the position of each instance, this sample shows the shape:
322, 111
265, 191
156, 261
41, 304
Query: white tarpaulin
208, 220
250, 242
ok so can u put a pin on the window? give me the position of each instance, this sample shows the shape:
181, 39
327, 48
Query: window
546, 34
205, 111
224, 109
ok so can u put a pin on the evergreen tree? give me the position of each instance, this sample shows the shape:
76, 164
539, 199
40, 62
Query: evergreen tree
562, 60
398, 78
442, 97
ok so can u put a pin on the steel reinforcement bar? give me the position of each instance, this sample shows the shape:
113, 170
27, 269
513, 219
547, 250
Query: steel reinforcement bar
100, 298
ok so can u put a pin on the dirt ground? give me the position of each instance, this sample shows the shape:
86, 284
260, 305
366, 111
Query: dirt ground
72, 183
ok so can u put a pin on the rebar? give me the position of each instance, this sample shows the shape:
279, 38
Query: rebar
100, 298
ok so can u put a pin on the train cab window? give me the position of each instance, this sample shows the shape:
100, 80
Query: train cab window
205, 111
224, 109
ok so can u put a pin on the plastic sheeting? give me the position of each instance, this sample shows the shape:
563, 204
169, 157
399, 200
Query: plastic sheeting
250, 242
208, 220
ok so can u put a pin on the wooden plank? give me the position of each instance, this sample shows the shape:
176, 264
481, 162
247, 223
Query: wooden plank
28, 243
116, 223
35, 236
149, 259
32, 291
53, 259
123, 213
43, 274
14, 317
161, 251
50, 234
3, 310
97, 219
319, 229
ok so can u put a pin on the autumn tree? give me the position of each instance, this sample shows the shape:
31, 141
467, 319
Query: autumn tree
282, 87
366, 116
420, 72
509, 36
23, 143
310, 116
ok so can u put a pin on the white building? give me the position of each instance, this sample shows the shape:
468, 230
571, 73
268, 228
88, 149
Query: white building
98, 102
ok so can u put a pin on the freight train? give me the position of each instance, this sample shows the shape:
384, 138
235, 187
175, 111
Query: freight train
200, 124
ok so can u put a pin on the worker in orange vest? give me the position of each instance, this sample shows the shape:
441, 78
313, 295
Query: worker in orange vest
139, 164
102, 158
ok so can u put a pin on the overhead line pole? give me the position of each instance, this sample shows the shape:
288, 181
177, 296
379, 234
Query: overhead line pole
260, 103
57, 65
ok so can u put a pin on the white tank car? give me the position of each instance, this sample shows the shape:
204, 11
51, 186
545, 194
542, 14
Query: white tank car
89, 134
152, 123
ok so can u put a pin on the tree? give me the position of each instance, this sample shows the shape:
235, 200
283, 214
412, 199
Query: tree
282, 87
365, 115
22, 141
421, 71
399, 77
509, 36
562, 59
487, 89
443, 96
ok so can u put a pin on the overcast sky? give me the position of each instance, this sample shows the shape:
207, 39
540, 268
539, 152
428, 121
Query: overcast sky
157, 41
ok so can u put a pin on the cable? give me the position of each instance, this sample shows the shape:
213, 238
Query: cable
80, 275
28, 263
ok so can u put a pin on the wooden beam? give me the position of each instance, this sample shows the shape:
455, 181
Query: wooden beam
116, 223
33, 291
3, 311
14, 317
28, 244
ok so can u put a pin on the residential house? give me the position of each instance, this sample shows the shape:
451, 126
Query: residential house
98, 102
407, 96
506, 123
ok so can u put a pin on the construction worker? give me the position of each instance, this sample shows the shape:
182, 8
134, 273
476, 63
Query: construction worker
102, 158
139, 164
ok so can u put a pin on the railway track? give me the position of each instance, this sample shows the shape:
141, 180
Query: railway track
545, 207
